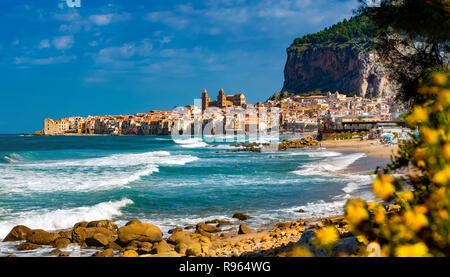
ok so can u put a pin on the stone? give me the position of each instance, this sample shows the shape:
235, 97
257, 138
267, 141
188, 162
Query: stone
79, 235
207, 228
232, 229
145, 247
17, 233
346, 246
63, 254
41, 237
61, 243
190, 227
113, 245
306, 240
171, 231
83, 224
241, 216
107, 253
59, 253
141, 232
203, 233
27, 246
161, 247
11, 256
181, 248
130, 254
243, 229
133, 222
224, 223
108, 224
301, 211
66, 234
99, 236
194, 249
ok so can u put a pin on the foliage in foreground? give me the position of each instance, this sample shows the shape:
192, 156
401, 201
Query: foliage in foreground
422, 227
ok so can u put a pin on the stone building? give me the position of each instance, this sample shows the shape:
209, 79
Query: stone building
56, 127
235, 100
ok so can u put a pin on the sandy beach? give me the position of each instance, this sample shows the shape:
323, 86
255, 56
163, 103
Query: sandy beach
372, 148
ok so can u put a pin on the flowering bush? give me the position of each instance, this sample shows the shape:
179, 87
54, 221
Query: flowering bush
421, 226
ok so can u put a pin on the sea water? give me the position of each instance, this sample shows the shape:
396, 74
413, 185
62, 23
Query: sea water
51, 183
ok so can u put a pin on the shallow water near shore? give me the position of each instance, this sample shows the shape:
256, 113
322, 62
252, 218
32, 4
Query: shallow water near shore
51, 183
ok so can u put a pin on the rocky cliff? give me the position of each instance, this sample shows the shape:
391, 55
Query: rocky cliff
340, 58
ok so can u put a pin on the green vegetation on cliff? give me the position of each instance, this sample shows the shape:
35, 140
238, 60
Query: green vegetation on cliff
356, 29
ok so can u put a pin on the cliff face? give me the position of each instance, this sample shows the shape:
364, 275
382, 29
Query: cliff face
344, 68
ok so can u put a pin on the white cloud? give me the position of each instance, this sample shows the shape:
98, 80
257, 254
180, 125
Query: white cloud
54, 60
101, 19
44, 44
63, 42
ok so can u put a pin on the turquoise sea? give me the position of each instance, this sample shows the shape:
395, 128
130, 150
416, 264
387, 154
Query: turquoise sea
52, 183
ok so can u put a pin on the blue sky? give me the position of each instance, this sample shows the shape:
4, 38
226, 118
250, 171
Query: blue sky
127, 56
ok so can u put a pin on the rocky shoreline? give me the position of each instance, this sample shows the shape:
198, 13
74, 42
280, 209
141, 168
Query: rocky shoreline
282, 146
138, 239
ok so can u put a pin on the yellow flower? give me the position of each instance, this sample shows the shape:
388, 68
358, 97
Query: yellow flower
439, 79
444, 97
407, 195
421, 163
356, 211
416, 219
446, 151
418, 115
327, 235
442, 177
429, 135
297, 251
379, 215
383, 187
412, 250
420, 154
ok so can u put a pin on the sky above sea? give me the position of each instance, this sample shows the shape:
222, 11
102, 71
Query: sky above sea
111, 57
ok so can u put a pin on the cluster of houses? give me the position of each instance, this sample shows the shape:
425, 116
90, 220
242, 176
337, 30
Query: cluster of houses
326, 114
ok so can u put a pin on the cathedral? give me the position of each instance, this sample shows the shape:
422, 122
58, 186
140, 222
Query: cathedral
235, 100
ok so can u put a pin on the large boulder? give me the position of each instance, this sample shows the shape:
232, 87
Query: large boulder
161, 247
346, 246
241, 216
107, 253
99, 236
190, 244
108, 224
243, 229
41, 237
207, 228
79, 235
27, 246
61, 243
307, 241
141, 232
17, 233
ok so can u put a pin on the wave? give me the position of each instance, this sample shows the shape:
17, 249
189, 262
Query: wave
191, 142
328, 166
13, 158
63, 218
94, 174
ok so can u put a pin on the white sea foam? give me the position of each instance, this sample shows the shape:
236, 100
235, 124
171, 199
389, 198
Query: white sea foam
330, 165
13, 158
103, 173
62, 218
191, 142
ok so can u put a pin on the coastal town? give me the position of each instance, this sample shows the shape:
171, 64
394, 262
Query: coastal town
326, 113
